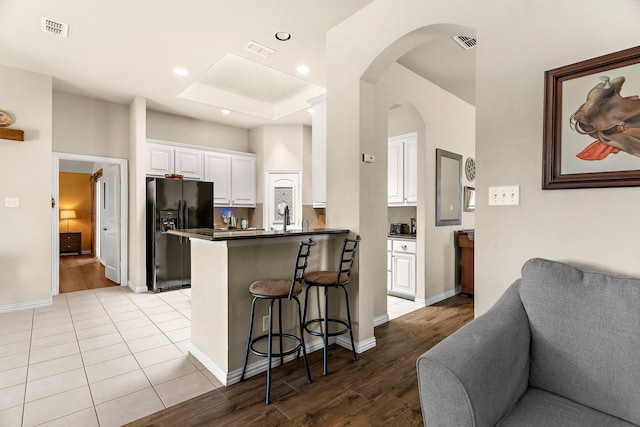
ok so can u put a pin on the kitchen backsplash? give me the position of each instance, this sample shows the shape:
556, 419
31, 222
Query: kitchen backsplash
254, 215
401, 214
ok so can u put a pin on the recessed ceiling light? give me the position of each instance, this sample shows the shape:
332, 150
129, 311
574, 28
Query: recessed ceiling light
302, 70
180, 72
282, 36
310, 111
225, 112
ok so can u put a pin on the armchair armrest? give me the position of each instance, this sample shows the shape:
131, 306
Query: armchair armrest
476, 375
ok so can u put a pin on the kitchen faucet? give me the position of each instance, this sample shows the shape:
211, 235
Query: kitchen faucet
287, 220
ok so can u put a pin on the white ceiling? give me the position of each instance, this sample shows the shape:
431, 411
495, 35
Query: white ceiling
124, 48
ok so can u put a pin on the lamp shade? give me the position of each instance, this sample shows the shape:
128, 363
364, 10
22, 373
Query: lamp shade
67, 214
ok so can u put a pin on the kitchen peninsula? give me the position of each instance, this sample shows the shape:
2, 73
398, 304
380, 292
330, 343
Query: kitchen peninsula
223, 265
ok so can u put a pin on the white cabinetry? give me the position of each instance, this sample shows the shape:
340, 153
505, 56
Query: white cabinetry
319, 151
243, 180
233, 173
403, 268
159, 159
217, 168
169, 159
403, 170
234, 178
188, 162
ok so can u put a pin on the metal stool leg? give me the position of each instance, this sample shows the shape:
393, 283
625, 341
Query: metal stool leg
280, 330
346, 298
302, 345
325, 332
269, 352
246, 354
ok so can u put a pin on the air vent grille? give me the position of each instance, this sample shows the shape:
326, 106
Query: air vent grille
53, 27
465, 42
259, 49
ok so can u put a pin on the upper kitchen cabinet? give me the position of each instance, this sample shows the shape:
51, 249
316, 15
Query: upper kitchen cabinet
319, 151
234, 178
172, 159
402, 170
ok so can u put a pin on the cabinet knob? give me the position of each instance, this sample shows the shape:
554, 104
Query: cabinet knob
404, 246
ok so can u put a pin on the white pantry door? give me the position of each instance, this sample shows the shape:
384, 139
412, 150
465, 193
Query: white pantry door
110, 223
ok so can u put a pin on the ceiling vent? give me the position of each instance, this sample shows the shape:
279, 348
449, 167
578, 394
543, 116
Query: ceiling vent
465, 42
259, 49
53, 27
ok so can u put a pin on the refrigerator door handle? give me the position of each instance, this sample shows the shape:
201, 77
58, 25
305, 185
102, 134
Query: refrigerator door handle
180, 219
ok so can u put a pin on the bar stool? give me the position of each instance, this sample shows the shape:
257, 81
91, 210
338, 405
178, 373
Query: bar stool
332, 279
273, 290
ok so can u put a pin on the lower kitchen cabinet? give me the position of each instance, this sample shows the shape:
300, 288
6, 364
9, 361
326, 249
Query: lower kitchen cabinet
401, 278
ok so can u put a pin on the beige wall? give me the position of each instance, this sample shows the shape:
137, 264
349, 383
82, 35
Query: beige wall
511, 60
185, 130
89, 126
25, 173
281, 148
429, 108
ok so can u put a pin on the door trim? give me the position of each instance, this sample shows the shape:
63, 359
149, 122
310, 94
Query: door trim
124, 209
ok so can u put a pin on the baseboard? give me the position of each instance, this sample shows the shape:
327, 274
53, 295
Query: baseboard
86, 252
440, 297
232, 377
212, 366
137, 289
26, 305
381, 320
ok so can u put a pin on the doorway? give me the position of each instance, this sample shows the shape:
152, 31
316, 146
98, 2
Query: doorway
103, 262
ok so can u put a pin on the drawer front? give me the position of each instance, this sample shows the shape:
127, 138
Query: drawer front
69, 237
404, 246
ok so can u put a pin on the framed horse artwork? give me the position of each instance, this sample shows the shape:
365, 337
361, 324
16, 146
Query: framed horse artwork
592, 123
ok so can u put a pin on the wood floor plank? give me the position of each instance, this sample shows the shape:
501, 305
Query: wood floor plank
82, 272
380, 388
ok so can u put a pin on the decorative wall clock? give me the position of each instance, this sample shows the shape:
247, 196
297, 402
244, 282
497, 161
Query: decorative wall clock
470, 169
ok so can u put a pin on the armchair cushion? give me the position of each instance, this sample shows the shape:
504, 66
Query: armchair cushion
585, 336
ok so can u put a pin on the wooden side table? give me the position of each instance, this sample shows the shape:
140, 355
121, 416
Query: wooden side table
70, 243
465, 241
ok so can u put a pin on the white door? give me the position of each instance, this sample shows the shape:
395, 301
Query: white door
110, 223
283, 188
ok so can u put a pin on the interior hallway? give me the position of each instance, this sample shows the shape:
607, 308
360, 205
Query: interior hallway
82, 272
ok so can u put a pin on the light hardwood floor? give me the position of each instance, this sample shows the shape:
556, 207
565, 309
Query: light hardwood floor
82, 272
379, 389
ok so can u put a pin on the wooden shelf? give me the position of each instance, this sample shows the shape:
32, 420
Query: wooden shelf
12, 134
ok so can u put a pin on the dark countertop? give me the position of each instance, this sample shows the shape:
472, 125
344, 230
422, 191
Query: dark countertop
402, 236
239, 234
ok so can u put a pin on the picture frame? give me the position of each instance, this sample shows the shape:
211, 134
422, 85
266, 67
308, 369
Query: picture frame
574, 120
469, 199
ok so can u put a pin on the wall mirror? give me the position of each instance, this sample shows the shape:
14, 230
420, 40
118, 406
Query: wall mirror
448, 188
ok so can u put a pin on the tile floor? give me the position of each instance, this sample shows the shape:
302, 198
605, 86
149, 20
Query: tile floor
99, 357
397, 307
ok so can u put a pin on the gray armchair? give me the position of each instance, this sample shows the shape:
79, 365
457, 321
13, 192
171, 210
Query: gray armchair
560, 348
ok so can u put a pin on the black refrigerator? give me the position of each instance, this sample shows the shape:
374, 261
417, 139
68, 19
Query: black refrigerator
174, 204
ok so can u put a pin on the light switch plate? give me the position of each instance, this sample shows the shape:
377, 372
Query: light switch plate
11, 202
508, 195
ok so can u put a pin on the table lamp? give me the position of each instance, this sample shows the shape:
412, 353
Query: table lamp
67, 214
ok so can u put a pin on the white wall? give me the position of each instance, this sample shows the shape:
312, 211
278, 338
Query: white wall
25, 173
517, 42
